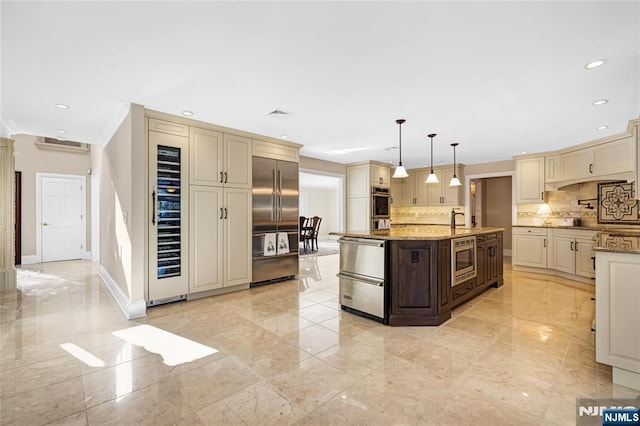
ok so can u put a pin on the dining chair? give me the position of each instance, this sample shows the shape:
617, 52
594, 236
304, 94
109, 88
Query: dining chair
304, 231
315, 225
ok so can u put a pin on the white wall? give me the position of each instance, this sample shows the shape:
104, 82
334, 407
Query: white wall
322, 202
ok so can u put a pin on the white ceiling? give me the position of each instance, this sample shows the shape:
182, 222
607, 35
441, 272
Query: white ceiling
498, 77
312, 180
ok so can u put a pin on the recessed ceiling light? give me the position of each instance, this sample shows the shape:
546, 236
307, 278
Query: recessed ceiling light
595, 64
524, 152
285, 137
62, 106
602, 127
62, 132
187, 113
600, 102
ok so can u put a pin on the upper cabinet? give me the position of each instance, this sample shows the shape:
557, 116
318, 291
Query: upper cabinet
362, 176
380, 175
219, 159
530, 180
413, 191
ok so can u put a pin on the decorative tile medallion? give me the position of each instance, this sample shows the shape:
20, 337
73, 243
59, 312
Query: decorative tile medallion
617, 204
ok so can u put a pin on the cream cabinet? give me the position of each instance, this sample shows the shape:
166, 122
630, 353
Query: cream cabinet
617, 317
443, 194
591, 162
219, 159
530, 247
358, 214
380, 175
220, 237
571, 251
530, 180
362, 176
413, 191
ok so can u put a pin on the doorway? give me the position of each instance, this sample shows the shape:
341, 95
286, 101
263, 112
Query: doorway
490, 204
60, 217
322, 194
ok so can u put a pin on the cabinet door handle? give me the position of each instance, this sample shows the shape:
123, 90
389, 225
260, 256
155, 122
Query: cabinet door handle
545, 242
542, 195
576, 246
593, 258
226, 176
380, 180
225, 212
220, 212
221, 177
572, 243
591, 168
153, 208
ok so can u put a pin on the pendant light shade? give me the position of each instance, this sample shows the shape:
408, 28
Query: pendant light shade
454, 180
400, 171
432, 178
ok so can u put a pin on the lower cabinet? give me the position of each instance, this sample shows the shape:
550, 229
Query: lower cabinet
572, 252
530, 247
489, 269
220, 237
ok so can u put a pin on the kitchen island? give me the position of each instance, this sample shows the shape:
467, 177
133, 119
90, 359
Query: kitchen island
418, 272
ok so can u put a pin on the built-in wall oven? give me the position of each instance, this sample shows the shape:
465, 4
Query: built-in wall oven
362, 277
463, 259
380, 211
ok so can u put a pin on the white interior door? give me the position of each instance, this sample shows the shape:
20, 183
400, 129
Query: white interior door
62, 218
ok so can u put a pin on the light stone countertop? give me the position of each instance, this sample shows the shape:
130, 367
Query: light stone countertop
618, 242
418, 232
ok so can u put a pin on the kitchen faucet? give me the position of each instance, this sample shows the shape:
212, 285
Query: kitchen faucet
453, 218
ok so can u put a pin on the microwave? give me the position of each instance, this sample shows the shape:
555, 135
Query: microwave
380, 199
463, 260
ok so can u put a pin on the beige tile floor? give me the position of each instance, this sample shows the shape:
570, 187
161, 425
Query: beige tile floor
287, 354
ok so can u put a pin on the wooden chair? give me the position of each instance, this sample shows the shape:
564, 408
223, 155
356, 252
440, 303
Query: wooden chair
315, 224
304, 231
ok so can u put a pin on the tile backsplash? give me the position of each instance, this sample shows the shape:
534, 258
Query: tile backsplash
425, 215
564, 207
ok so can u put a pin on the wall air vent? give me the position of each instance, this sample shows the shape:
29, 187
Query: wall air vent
54, 144
279, 114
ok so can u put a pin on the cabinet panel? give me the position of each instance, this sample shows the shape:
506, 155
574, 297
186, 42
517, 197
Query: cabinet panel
237, 161
237, 236
530, 180
413, 272
563, 256
398, 191
576, 164
358, 181
614, 157
493, 259
451, 194
205, 155
530, 250
358, 214
380, 175
168, 127
206, 221
422, 193
585, 258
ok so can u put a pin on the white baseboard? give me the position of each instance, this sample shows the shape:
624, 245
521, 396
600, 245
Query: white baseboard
87, 255
131, 310
28, 260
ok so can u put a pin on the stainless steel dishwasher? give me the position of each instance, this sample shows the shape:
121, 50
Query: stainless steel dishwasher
363, 272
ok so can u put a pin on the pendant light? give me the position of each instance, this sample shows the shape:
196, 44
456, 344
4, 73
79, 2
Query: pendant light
432, 178
454, 180
400, 171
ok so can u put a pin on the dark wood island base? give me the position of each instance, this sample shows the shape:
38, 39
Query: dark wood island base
420, 279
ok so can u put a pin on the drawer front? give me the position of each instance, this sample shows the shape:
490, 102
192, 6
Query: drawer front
362, 257
462, 290
363, 296
530, 231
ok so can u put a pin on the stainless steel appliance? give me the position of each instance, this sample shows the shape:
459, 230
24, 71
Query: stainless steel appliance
362, 276
463, 260
380, 200
275, 213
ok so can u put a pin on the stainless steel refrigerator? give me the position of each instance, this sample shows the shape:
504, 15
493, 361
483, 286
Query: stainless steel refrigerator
275, 216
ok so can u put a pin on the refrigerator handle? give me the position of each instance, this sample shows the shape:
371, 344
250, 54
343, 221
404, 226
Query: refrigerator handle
279, 210
273, 195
